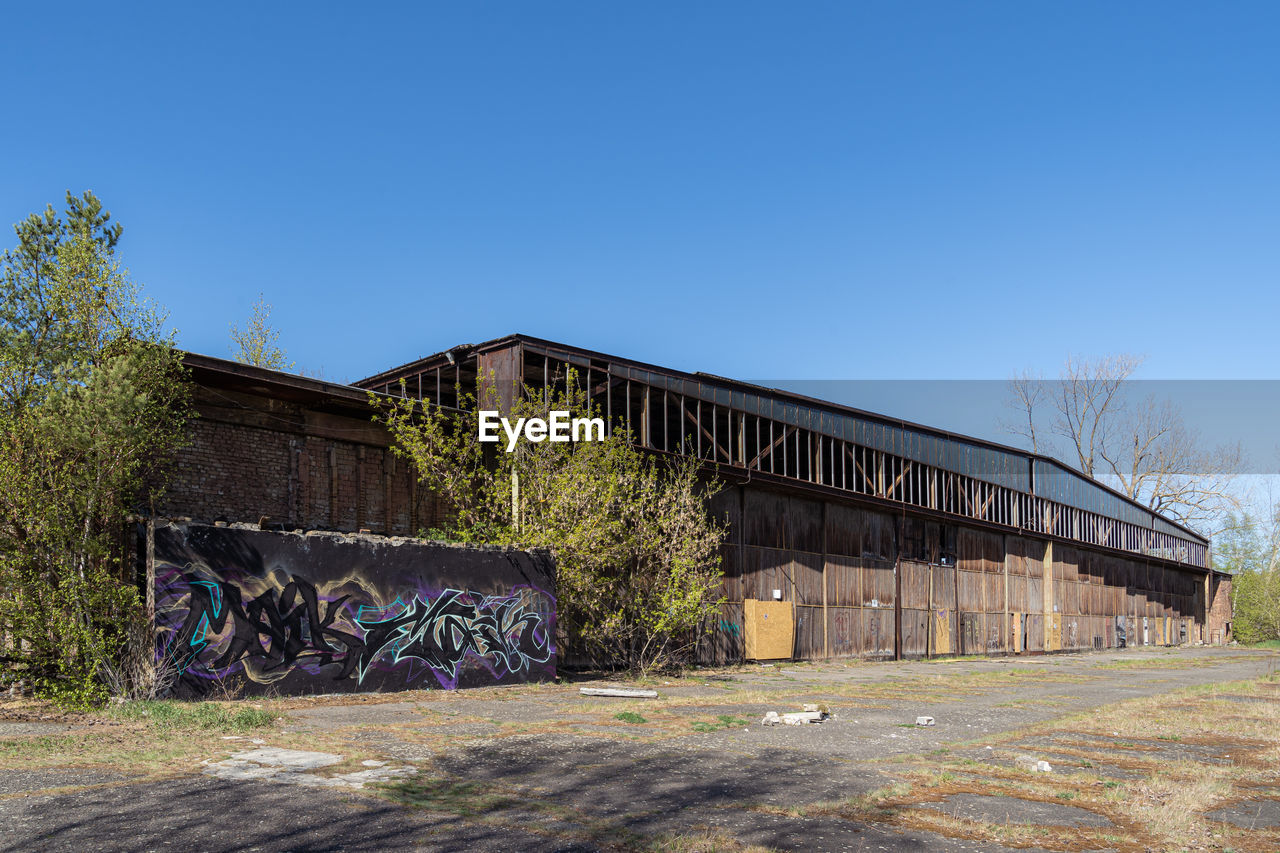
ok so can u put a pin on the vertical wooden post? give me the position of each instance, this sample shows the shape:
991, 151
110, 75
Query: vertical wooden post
826, 638
515, 499
897, 585
644, 419
1006, 618
151, 571
956, 647
1047, 595
931, 624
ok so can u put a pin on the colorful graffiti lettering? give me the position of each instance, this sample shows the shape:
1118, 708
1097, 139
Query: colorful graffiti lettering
230, 610
731, 628
295, 626
294, 623
497, 630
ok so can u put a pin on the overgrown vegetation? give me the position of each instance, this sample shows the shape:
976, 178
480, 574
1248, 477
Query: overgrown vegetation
1250, 550
92, 401
722, 721
197, 716
638, 562
257, 343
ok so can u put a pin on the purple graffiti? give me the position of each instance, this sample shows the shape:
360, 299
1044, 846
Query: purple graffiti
296, 625
211, 627
498, 630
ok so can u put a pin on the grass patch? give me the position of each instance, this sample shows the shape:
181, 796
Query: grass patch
38, 746
630, 717
724, 721
168, 715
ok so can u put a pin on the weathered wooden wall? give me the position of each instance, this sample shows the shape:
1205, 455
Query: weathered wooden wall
872, 584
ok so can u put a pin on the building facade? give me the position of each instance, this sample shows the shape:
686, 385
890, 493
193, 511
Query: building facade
886, 538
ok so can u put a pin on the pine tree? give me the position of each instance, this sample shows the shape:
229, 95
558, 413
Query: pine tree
93, 399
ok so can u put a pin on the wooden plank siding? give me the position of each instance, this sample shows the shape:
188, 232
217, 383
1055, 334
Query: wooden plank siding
887, 538
873, 584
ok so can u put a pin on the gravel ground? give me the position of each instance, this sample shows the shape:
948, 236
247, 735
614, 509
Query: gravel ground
574, 777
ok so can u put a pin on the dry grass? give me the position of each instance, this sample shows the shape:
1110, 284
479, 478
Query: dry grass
705, 841
1161, 810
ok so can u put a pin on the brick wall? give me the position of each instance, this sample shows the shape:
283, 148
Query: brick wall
1219, 617
252, 455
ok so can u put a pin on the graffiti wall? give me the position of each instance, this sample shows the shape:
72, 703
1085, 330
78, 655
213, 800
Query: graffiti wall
261, 611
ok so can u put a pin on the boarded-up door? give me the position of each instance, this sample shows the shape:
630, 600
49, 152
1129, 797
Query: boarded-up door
769, 629
942, 604
1017, 632
971, 634
914, 600
942, 631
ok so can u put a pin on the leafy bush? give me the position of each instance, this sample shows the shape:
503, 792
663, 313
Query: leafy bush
637, 555
93, 399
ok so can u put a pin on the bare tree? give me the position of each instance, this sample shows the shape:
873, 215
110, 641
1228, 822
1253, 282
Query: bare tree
1026, 394
1088, 405
1140, 447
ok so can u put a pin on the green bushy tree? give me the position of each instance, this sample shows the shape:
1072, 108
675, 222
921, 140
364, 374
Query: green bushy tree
1250, 550
93, 399
637, 555
257, 343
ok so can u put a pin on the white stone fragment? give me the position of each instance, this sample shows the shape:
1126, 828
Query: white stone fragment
1031, 764
801, 718
288, 765
293, 759
924, 721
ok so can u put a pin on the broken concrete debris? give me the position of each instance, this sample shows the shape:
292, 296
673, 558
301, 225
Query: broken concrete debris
1032, 764
924, 721
292, 767
810, 714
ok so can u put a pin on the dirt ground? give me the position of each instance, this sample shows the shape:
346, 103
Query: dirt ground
1149, 749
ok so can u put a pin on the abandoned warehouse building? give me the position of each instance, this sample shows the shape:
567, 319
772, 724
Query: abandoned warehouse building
870, 536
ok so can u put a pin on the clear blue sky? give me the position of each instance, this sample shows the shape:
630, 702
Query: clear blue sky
819, 190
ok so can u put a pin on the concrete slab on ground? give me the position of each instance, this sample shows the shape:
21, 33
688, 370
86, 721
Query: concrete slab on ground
1005, 810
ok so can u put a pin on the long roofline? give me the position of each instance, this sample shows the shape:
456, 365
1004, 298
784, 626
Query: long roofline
838, 408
